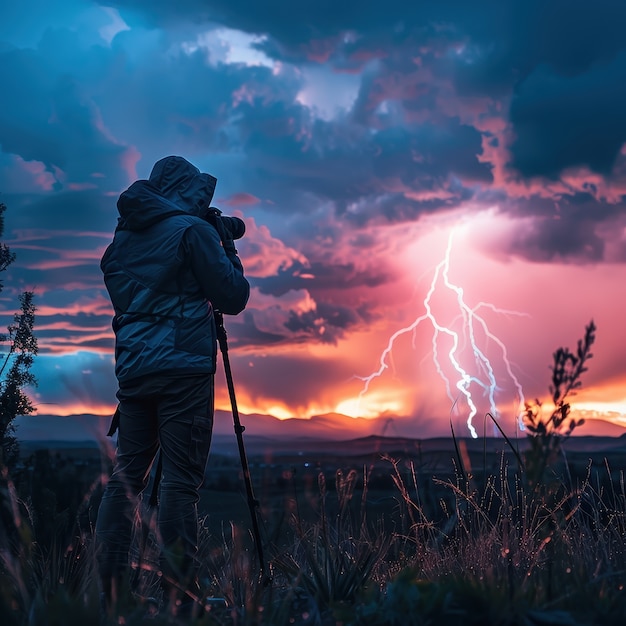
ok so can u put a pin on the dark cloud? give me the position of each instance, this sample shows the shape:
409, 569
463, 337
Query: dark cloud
510, 37
243, 331
326, 276
81, 320
292, 25
181, 102
345, 163
570, 230
516, 37
57, 244
46, 117
167, 101
75, 212
75, 277
295, 380
546, 240
326, 323
397, 207
566, 121
561, 60
27, 24
285, 145
430, 153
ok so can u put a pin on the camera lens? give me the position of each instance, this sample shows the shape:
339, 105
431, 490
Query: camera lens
235, 226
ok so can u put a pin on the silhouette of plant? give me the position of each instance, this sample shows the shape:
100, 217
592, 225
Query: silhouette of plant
15, 367
548, 432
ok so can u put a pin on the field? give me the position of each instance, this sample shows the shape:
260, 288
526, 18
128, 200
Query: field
376, 531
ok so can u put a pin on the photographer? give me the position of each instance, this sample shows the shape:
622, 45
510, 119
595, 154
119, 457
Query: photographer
172, 262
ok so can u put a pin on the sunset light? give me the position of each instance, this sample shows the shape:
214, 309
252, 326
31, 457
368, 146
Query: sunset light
375, 406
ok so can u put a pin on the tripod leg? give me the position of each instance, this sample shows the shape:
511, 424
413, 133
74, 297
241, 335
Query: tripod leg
253, 503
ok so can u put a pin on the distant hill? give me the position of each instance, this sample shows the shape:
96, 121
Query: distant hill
332, 433
331, 426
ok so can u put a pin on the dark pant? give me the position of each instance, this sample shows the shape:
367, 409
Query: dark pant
175, 416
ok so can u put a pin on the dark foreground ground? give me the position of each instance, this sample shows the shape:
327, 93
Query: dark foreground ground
437, 529
286, 475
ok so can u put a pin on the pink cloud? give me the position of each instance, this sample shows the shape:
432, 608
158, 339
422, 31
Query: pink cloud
33, 234
69, 343
243, 94
264, 255
68, 326
363, 56
60, 263
319, 50
240, 199
20, 176
81, 186
96, 305
610, 189
58, 258
129, 159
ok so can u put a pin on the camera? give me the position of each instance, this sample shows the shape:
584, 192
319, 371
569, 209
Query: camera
232, 225
235, 226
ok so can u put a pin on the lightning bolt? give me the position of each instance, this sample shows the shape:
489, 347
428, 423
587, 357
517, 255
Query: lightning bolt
482, 375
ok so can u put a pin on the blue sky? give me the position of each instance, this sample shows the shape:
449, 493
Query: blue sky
361, 143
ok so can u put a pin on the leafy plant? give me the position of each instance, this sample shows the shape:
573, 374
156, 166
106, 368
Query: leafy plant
15, 368
548, 432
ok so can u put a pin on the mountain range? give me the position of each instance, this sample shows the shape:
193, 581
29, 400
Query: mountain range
327, 427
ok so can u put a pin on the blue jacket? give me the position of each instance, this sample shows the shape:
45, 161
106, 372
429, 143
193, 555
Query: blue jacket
165, 271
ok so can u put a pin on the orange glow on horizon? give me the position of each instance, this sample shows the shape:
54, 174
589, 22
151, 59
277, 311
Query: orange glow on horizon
78, 408
376, 405
598, 419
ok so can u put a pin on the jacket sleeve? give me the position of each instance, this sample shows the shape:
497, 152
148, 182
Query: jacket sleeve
220, 274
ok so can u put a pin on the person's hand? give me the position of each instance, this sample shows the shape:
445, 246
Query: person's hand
224, 233
229, 247
213, 217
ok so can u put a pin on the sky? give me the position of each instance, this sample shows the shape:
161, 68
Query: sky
433, 194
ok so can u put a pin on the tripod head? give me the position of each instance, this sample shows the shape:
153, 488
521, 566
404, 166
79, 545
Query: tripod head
221, 331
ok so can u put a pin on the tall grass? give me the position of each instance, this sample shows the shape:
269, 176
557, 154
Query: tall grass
496, 551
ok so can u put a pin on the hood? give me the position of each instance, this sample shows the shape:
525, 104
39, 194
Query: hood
183, 183
175, 187
141, 206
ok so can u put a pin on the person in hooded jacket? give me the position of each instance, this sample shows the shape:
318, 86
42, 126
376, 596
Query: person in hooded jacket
166, 271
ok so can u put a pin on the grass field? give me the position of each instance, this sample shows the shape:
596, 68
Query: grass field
376, 531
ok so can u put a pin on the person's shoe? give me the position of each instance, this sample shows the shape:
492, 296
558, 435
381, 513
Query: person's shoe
151, 606
215, 603
190, 608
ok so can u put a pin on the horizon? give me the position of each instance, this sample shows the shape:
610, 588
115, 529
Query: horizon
330, 427
433, 195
